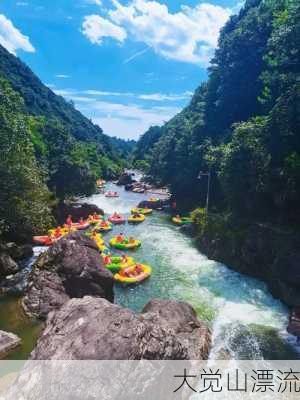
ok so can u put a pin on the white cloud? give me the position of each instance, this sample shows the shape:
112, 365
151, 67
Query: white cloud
97, 2
11, 38
129, 121
76, 95
21, 3
103, 93
190, 35
95, 28
165, 97
62, 76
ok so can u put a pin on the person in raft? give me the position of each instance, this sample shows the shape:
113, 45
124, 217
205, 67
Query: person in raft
96, 216
81, 221
120, 238
132, 272
131, 239
107, 260
116, 215
104, 224
57, 232
69, 221
124, 258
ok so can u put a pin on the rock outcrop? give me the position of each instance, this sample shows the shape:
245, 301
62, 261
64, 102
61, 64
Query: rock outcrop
10, 255
94, 329
72, 267
8, 342
159, 204
7, 265
261, 252
294, 322
125, 179
77, 210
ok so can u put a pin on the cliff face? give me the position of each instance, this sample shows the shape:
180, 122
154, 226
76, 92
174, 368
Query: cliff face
262, 252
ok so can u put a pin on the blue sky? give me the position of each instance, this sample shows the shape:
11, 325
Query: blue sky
126, 65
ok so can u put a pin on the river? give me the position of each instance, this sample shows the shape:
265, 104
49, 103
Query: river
246, 321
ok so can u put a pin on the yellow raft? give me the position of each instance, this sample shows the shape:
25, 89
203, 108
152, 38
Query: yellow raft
64, 231
124, 275
144, 211
136, 218
126, 244
118, 263
182, 220
98, 240
103, 226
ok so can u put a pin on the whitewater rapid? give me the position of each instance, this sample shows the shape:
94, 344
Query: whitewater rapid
246, 321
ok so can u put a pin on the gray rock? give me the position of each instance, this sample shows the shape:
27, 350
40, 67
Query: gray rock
125, 179
93, 328
72, 267
19, 252
7, 265
294, 322
8, 342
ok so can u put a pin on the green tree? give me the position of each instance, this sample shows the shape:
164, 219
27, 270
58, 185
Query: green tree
24, 197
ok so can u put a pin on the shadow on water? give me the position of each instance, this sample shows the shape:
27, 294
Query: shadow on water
13, 319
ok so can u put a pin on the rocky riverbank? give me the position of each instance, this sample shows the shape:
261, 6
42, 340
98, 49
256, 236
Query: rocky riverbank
95, 329
13, 259
72, 267
71, 289
262, 252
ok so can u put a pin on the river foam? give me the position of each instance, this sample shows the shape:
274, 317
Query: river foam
246, 321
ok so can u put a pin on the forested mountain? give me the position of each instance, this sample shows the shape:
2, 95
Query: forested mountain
64, 139
243, 124
143, 150
44, 142
124, 147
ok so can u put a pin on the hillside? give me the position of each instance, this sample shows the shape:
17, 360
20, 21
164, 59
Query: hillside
40, 100
243, 124
72, 150
51, 151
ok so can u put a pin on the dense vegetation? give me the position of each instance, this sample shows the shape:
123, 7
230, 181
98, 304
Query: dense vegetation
24, 197
70, 147
142, 152
243, 124
48, 149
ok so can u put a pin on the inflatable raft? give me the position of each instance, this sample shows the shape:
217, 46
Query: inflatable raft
79, 226
182, 220
127, 244
103, 226
136, 218
134, 274
95, 218
144, 211
111, 194
117, 219
44, 240
118, 263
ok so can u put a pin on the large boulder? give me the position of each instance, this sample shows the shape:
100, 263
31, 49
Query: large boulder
294, 322
95, 329
10, 253
72, 267
8, 342
19, 252
7, 265
154, 204
125, 179
77, 210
